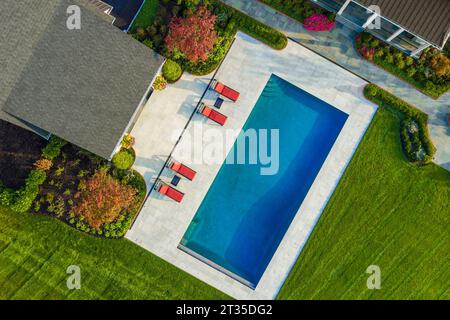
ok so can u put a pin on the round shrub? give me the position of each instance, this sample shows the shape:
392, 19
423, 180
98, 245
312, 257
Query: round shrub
374, 43
401, 64
371, 90
409, 61
124, 159
152, 30
411, 71
399, 56
171, 71
140, 33
389, 58
379, 53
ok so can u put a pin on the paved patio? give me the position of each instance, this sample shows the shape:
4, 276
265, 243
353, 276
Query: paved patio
339, 47
248, 66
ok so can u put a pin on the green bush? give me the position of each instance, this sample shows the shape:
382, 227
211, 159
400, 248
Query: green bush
412, 142
379, 53
24, 197
411, 71
389, 58
53, 148
138, 182
401, 64
260, 31
6, 197
371, 91
417, 72
409, 61
171, 71
124, 159
374, 43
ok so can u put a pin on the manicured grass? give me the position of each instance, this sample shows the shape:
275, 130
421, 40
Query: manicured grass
385, 212
146, 15
35, 252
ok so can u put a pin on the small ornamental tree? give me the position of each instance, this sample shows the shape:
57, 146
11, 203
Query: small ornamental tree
103, 199
43, 164
441, 65
194, 36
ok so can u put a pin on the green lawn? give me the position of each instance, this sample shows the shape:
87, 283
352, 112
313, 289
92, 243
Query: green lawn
146, 15
35, 252
385, 212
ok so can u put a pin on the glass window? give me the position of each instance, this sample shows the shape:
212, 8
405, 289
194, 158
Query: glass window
386, 31
408, 41
356, 13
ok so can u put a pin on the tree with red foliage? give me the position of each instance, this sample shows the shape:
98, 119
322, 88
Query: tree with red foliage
194, 36
102, 199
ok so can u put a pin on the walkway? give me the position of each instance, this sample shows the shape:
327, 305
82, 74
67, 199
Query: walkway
338, 47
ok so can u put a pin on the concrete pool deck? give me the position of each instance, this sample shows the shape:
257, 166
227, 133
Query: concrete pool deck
247, 68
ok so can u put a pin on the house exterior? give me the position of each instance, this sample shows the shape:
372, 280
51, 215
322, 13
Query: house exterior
410, 25
123, 11
84, 85
103, 6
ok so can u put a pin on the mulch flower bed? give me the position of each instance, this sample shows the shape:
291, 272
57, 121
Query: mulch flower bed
19, 150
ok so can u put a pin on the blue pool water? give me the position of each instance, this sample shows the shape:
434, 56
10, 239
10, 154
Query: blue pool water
245, 215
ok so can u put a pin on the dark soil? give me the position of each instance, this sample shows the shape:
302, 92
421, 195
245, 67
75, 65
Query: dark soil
19, 149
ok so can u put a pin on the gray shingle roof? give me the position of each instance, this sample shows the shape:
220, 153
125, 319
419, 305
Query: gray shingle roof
429, 19
82, 85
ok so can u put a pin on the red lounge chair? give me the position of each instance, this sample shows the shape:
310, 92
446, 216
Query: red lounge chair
183, 170
225, 91
213, 114
170, 192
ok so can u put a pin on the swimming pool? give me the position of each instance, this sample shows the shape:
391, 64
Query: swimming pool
244, 216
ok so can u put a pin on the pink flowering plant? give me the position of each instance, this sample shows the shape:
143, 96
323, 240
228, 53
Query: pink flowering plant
318, 23
364, 50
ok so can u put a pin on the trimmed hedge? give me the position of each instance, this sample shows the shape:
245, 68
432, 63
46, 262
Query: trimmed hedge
22, 199
298, 9
412, 142
171, 71
253, 27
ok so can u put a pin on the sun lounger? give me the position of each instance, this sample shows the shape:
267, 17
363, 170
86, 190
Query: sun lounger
212, 114
168, 191
225, 91
181, 169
